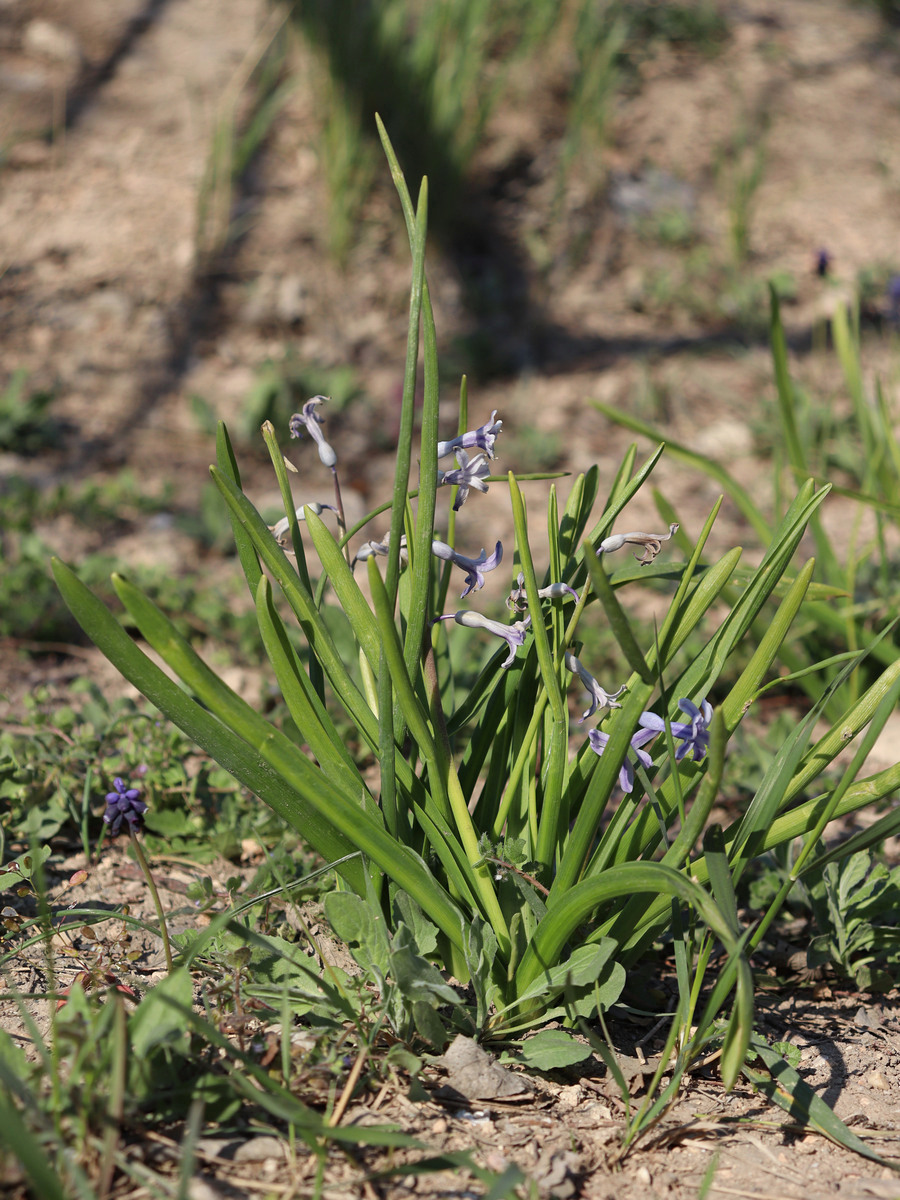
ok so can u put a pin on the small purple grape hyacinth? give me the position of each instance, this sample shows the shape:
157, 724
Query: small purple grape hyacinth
893, 295
823, 262
124, 804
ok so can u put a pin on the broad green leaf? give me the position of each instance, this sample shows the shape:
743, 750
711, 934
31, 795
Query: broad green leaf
551, 1049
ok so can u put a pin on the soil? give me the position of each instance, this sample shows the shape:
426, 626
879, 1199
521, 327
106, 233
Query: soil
114, 296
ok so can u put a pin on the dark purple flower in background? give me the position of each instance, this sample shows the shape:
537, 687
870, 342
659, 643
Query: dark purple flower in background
124, 804
823, 262
310, 420
893, 295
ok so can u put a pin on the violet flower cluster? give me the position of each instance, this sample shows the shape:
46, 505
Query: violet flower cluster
693, 736
124, 806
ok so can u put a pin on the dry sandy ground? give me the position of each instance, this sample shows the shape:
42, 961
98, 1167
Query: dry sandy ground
107, 112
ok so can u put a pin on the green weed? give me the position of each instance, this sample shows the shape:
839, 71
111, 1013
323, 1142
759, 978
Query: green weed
26, 426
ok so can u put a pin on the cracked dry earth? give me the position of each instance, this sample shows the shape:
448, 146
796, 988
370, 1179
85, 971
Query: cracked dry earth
107, 110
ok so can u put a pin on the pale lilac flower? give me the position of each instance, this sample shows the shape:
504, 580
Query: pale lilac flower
310, 420
600, 698
469, 474
513, 634
652, 543
483, 437
693, 737
518, 600
475, 568
280, 528
371, 549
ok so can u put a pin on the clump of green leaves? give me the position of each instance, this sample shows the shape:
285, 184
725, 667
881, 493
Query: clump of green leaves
856, 907
26, 426
535, 870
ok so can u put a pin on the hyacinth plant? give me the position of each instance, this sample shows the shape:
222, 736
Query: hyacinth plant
494, 838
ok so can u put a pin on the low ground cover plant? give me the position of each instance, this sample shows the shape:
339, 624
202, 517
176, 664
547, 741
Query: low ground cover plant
497, 865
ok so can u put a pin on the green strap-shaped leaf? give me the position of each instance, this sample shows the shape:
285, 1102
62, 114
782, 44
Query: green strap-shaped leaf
304, 705
545, 948
352, 601
693, 458
615, 614
231, 752
333, 823
247, 555
556, 750
320, 640
782, 1085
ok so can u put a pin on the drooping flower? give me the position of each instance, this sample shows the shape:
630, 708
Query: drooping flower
823, 262
475, 568
652, 543
382, 549
599, 742
513, 634
280, 528
694, 737
600, 698
518, 600
483, 437
124, 804
310, 420
469, 474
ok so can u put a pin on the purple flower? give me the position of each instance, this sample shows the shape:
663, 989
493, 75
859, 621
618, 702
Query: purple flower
518, 600
513, 634
652, 543
599, 742
310, 420
469, 474
823, 262
475, 568
599, 697
124, 804
893, 293
693, 737
483, 437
